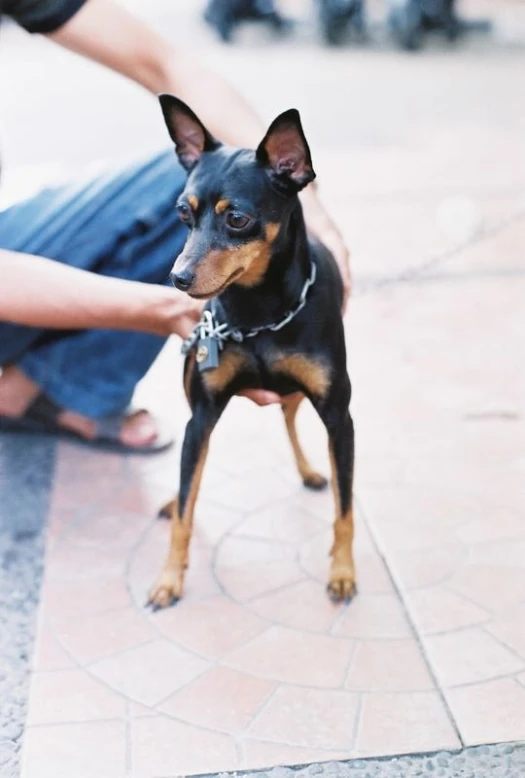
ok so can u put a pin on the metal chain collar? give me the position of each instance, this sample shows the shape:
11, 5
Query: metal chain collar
208, 327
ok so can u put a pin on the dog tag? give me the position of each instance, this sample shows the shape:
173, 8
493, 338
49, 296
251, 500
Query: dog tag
207, 353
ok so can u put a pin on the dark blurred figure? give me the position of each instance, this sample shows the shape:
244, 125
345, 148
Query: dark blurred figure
339, 17
410, 19
225, 15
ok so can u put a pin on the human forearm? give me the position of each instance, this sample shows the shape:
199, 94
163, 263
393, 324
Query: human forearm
39, 292
107, 33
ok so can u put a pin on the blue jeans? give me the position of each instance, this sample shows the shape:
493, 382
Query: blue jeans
123, 225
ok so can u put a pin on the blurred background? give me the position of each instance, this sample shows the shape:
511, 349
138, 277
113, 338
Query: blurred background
386, 126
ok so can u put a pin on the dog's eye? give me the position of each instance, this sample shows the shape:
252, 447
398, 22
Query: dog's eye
237, 220
184, 212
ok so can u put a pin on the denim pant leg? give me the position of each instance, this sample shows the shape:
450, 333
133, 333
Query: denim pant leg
122, 225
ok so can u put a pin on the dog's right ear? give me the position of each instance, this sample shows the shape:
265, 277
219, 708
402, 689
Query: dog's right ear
190, 136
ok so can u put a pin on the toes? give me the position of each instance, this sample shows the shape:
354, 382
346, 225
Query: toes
315, 481
164, 594
342, 589
139, 429
161, 597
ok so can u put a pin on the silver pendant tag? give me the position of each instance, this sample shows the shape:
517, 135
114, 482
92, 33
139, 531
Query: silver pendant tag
207, 353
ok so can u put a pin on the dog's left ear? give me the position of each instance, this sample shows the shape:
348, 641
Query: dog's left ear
285, 153
190, 136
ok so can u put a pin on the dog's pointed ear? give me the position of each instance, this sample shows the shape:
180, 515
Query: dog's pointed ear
285, 154
190, 136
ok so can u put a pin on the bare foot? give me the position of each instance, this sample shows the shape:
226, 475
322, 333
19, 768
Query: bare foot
17, 392
137, 430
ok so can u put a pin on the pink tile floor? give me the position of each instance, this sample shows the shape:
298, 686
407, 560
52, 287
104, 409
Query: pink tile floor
255, 667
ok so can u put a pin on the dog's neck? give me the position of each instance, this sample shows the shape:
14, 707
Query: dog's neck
280, 290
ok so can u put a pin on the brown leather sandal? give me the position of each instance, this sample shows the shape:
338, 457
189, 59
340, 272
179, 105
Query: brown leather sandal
41, 417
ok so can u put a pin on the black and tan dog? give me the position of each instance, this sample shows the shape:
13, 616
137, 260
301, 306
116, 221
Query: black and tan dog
273, 319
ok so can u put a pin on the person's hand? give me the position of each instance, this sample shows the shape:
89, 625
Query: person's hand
189, 317
187, 314
261, 397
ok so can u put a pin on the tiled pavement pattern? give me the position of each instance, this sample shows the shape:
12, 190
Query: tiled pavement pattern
423, 164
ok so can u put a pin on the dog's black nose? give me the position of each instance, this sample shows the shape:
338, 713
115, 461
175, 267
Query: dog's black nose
182, 280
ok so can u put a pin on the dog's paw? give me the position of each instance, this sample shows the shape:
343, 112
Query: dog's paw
315, 481
166, 592
342, 585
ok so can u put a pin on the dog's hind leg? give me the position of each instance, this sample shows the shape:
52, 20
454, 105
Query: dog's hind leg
311, 478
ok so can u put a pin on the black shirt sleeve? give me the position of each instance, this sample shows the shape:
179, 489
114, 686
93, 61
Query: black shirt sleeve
41, 15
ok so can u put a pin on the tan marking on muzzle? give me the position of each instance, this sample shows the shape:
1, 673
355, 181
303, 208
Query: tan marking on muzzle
245, 264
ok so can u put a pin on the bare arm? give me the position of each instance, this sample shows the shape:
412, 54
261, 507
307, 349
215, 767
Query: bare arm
105, 32
39, 292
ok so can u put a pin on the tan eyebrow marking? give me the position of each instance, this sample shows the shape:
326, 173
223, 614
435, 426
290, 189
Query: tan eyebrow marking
221, 206
193, 201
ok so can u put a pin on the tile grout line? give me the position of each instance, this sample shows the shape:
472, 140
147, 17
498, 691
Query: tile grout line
239, 751
76, 723
418, 638
506, 646
262, 707
358, 720
468, 684
156, 705
272, 592
128, 744
117, 692
458, 593
350, 663
414, 272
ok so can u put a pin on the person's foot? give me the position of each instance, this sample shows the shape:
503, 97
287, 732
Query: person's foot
17, 392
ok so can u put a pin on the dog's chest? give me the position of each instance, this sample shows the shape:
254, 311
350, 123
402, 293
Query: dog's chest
274, 369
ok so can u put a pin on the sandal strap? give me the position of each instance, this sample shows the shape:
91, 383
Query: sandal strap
110, 427
43, 410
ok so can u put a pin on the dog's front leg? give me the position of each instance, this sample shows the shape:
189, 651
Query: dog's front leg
194, 451
336, 417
